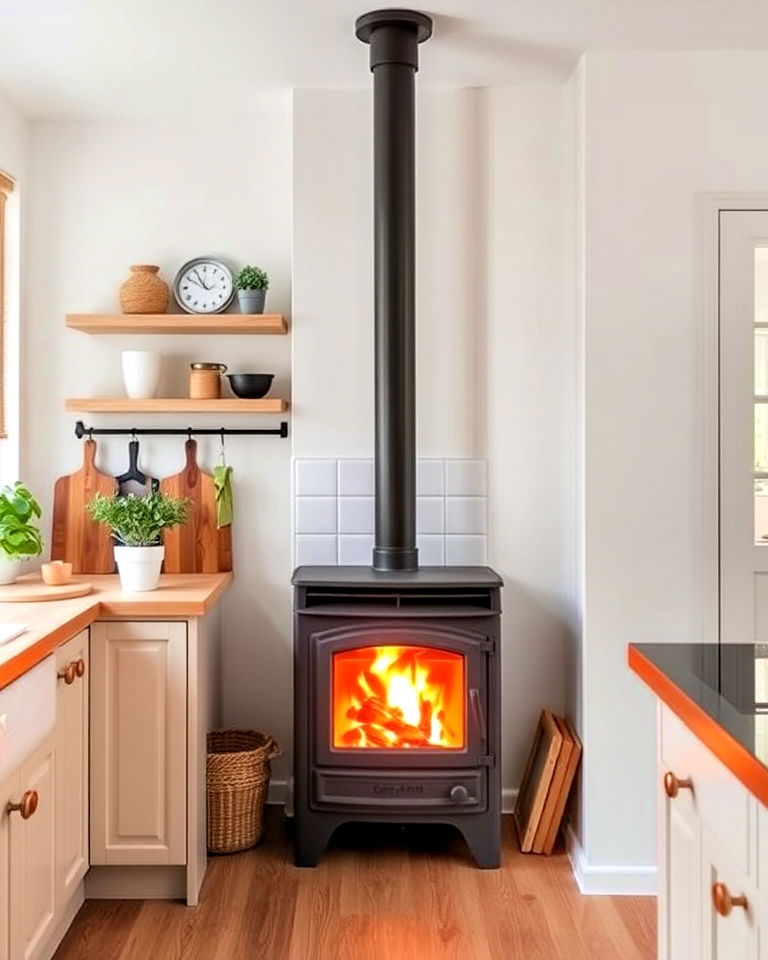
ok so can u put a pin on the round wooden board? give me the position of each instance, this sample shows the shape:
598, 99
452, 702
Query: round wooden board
30, 591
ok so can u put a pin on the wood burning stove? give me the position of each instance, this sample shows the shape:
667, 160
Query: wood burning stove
397, 702
396, 683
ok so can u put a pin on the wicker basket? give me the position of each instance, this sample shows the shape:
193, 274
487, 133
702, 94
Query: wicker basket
237, 780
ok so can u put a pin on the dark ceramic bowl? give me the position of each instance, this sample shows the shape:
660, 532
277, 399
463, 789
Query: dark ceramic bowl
250, 386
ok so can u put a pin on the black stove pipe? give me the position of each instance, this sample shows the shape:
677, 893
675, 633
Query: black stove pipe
394, 36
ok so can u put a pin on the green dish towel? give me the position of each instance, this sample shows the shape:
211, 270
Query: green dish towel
222, 481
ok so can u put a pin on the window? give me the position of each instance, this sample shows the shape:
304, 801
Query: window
6, 186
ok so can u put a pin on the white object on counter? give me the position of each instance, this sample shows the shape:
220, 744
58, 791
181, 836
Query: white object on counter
139, 567
27, 715
9, 569
9, 631
141, 373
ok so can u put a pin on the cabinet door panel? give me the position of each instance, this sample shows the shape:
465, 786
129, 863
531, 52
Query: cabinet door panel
33, 859
9, 793
733, 937
72, 769
138, 743
680, 887
684, 883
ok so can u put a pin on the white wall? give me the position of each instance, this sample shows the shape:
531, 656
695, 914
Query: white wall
13, 161
658, 130
103, 196
495, 337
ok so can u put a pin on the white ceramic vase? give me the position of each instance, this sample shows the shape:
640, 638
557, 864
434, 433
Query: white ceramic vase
9, 569
141, 373
139, 567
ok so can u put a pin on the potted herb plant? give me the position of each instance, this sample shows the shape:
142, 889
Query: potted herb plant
137, 524
19, 535
252, 284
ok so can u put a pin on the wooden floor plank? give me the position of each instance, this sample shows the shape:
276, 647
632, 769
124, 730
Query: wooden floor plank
380, 892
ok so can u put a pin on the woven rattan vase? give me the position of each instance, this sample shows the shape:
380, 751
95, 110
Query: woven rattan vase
144, 291
237, 781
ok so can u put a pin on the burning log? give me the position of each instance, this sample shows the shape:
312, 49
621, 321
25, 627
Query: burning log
376, 685
425, 717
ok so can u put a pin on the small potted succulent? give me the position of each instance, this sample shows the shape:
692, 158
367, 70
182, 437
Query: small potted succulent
19, 535
137, 524
252, 284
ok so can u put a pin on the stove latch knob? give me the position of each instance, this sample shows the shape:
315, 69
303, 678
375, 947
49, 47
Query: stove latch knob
459, 794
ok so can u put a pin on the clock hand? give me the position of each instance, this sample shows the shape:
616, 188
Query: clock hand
201, 281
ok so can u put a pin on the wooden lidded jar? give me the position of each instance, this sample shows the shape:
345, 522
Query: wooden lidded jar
144, 291
205, 380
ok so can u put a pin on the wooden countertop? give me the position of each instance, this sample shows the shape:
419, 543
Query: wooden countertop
53, 622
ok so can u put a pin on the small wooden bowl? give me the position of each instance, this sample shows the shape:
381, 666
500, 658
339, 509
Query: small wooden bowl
56, 573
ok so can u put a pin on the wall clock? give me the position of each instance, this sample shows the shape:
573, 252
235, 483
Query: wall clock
204, 285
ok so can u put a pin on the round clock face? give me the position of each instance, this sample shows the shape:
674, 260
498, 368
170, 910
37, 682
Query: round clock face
204, 286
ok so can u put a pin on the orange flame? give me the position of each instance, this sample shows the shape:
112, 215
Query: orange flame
401, 697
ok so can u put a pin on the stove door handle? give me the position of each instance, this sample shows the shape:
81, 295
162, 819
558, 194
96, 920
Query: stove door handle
476, 705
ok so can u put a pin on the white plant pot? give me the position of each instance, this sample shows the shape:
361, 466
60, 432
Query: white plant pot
141, 373
9, 569
139, 567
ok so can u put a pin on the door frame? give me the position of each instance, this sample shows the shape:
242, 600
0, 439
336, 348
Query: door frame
711, 207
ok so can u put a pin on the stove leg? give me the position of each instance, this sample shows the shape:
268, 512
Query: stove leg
311, 836
483, 837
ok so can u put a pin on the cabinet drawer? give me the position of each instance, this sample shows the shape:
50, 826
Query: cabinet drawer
720, 800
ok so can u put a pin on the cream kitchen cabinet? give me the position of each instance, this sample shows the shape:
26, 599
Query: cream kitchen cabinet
151, 706
711, 905
72, 663
138, 743
31, 814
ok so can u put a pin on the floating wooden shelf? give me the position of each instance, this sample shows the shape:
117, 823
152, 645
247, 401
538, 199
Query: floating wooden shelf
175, 405
220, 323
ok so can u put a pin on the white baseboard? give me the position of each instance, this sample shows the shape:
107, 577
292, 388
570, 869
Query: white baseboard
508, 799
596, 879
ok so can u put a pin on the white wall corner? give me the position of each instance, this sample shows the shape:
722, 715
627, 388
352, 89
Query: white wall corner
614, 880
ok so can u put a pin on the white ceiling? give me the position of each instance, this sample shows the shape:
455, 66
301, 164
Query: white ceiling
113, 58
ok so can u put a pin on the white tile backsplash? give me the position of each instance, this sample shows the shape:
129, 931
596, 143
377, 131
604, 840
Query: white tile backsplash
356, 478
466, 515
429, 514
334, 512
356, 514
462, 550
354, 550
431, 550
465, 478
316, 514
315, 550
430, 478
315, 478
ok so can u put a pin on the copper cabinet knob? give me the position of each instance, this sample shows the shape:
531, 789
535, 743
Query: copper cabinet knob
80, 667
26, 807
68, 674
724, 902
673, 785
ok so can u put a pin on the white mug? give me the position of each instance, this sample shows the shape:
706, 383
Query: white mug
141, 373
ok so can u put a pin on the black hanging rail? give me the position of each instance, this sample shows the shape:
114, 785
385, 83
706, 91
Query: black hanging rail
82, 431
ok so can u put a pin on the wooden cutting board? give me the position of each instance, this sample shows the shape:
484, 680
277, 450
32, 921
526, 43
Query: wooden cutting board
197, 547
31, 591
74, 536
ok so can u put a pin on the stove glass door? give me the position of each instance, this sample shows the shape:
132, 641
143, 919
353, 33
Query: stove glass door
398, 697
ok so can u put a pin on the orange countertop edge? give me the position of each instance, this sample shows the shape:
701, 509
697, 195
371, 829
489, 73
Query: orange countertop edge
52, 623
742, 764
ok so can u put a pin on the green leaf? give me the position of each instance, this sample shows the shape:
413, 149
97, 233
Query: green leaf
19, 537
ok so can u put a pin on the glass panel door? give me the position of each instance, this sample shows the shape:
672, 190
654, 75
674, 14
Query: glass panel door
399, 697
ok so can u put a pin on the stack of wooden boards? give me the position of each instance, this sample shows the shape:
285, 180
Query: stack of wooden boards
197, 547
546, 783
